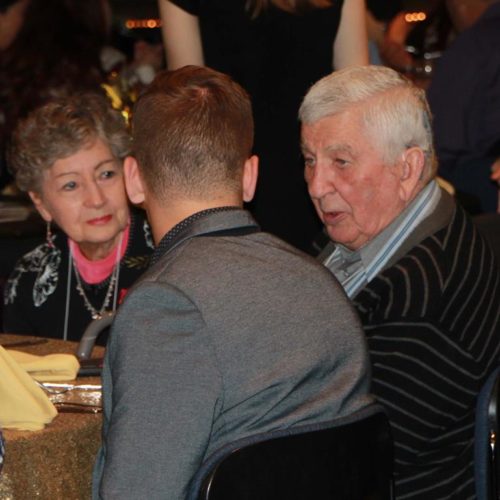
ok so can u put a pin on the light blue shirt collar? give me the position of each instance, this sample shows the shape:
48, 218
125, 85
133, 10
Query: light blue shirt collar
355, 269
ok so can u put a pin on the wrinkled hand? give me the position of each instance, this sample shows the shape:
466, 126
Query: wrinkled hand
495, 171
398, 29
392, 47
395, 55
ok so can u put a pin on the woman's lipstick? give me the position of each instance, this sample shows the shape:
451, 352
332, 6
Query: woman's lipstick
99, 221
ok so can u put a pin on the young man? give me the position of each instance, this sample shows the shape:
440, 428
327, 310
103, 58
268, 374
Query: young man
231, 332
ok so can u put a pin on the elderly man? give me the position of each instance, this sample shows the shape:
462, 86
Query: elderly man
231, 332
426, 285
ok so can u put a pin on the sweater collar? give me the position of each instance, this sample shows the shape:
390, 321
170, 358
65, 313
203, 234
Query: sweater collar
213, 221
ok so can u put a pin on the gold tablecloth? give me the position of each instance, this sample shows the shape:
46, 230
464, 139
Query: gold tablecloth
56, 462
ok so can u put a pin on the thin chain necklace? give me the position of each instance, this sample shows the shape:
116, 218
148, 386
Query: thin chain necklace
93, 311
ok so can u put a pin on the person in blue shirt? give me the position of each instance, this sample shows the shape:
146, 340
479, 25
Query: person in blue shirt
462, 96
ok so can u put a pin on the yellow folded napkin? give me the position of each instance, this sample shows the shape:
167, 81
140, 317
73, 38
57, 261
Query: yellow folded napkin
23, 405
49, 368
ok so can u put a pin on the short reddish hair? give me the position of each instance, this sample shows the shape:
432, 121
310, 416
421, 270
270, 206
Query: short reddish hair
192, 132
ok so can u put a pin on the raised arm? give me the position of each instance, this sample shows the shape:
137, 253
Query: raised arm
181, 36
351, 42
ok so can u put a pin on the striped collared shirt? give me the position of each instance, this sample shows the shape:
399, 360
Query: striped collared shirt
356, 268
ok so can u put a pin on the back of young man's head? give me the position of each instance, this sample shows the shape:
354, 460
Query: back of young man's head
192, 132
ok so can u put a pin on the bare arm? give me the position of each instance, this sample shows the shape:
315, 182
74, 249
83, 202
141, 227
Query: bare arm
181, 36
351, 42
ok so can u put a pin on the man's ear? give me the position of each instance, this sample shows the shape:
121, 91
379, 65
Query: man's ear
133, 181
250, 175
411, 172
40, 206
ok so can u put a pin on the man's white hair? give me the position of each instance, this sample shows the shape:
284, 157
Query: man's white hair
395, 112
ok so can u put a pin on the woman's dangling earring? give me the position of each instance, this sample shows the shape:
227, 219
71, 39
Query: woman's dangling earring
49, 236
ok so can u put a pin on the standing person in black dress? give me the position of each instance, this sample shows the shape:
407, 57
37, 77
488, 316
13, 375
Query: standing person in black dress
276, 49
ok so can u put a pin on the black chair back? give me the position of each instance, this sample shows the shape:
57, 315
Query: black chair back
486, 447
349, 458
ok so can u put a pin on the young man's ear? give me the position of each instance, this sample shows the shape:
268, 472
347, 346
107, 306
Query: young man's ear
40, 206
133, 181
250, 176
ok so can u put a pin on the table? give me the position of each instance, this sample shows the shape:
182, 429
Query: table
56, 462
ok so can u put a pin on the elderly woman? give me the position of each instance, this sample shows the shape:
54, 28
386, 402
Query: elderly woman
67, 155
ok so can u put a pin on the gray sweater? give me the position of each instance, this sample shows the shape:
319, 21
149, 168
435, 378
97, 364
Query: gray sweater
227, 335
